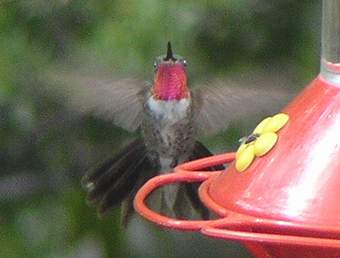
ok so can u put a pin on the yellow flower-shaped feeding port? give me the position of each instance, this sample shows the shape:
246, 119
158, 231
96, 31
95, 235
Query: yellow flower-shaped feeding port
260, 142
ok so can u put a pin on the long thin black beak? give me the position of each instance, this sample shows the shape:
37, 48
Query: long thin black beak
169, 54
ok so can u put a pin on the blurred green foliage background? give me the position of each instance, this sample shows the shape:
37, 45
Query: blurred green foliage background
44, 150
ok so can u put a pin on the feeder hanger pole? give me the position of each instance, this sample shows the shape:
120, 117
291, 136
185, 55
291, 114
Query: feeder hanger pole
330, 42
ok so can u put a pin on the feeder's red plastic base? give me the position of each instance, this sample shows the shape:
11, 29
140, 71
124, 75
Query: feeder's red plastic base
287, 203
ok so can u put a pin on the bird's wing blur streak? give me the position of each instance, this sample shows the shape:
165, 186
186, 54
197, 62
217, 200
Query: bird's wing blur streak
120, 101
223, 102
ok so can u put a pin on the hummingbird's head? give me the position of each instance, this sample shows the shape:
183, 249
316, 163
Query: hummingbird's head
170, 81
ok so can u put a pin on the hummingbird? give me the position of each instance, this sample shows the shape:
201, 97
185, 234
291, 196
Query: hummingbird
170, 115
165, 115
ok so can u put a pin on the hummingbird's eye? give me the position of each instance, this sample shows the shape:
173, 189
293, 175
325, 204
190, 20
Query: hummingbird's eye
184, 62
155, 65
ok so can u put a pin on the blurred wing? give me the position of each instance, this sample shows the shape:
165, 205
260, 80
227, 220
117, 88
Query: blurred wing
119, 101
223, 102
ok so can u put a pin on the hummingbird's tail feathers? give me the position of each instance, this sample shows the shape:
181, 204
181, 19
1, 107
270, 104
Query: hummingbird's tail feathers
200, 151
93, 175
112, 182
122, 186
112, 173
148, 171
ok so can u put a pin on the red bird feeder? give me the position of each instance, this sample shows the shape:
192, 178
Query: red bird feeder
280, 195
